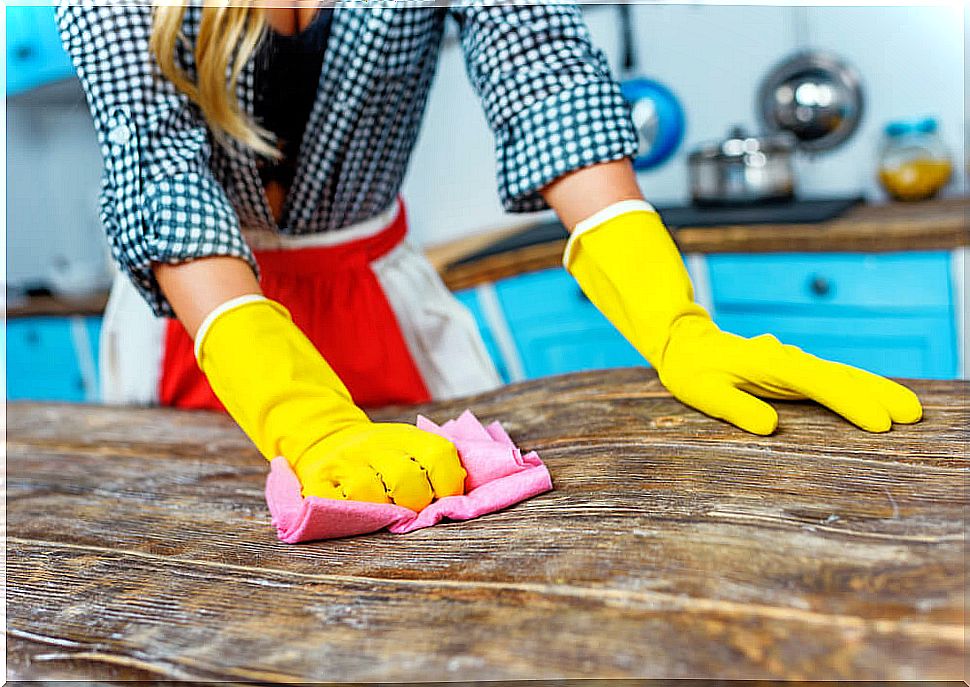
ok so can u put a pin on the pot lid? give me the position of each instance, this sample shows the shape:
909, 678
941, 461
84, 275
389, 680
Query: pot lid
738, 144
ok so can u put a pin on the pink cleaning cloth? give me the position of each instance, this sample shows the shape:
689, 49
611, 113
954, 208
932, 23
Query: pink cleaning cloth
498, 476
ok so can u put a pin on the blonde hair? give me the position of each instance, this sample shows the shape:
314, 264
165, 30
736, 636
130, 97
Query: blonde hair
228, 37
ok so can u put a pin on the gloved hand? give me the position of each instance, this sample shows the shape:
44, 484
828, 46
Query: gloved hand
629, 267
289, 401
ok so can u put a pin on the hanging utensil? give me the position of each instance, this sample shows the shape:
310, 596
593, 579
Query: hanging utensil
815, 96
657, 114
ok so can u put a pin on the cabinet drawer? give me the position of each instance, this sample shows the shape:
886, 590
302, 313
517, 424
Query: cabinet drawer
42, 363
918, 346
893, 281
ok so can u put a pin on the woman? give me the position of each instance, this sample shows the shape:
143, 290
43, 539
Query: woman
253, 157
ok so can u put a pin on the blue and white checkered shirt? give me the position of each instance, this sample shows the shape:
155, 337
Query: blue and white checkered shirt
170, 193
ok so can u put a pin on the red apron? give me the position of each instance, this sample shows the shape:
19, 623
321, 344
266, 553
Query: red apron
337, 301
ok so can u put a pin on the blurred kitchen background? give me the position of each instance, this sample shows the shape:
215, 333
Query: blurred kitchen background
755, 117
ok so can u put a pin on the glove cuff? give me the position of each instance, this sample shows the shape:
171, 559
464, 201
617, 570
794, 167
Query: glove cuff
231, 304
600, 218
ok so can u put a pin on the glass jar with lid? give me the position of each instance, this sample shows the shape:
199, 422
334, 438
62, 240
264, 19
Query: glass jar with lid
914, 163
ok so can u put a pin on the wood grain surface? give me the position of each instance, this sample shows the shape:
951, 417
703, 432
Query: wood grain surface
57, 306
931, 225
139, 547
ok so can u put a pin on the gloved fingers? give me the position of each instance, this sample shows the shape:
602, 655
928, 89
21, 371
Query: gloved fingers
763, 388
405, 480
435, 454
842, 393
341, 478
903, 405
439, 459
719, 398
384, 463
759, 371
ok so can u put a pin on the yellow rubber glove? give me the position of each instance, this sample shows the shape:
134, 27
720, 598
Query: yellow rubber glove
289, 401
626, 262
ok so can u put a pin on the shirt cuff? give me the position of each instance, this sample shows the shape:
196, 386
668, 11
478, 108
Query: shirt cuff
585, 124
186, 217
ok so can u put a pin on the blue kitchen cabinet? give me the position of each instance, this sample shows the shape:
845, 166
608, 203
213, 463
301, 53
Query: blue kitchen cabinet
52, 359
551, 327
35, 55
890, 313
573, 346
556, 329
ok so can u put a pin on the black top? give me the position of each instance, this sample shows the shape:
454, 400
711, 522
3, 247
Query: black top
286, 78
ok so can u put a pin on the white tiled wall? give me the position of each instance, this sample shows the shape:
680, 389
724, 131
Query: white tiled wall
713, 57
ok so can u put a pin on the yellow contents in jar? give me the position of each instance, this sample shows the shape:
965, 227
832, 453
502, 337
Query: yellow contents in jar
916, 179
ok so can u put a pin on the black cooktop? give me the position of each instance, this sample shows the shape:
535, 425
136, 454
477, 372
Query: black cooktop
809, 211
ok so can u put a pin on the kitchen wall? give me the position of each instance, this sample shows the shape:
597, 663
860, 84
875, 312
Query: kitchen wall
54, 234
911, 60
712, 56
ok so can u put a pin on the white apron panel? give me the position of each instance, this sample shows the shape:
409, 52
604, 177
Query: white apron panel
440, 332
132, 342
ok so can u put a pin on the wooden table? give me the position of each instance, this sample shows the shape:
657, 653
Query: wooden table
139, 547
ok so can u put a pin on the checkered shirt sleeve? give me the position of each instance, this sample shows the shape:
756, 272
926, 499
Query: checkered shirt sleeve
548, 94
159, 200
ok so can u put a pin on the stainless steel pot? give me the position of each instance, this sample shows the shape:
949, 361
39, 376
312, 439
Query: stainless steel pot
743, 169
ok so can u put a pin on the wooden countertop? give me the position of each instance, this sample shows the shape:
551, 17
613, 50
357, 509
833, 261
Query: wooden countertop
139, 547
931, 225
58, 306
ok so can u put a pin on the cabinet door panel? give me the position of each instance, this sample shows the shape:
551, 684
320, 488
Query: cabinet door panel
923, 347
557, 329
24, 55
537, 296
553, 327
551, 348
